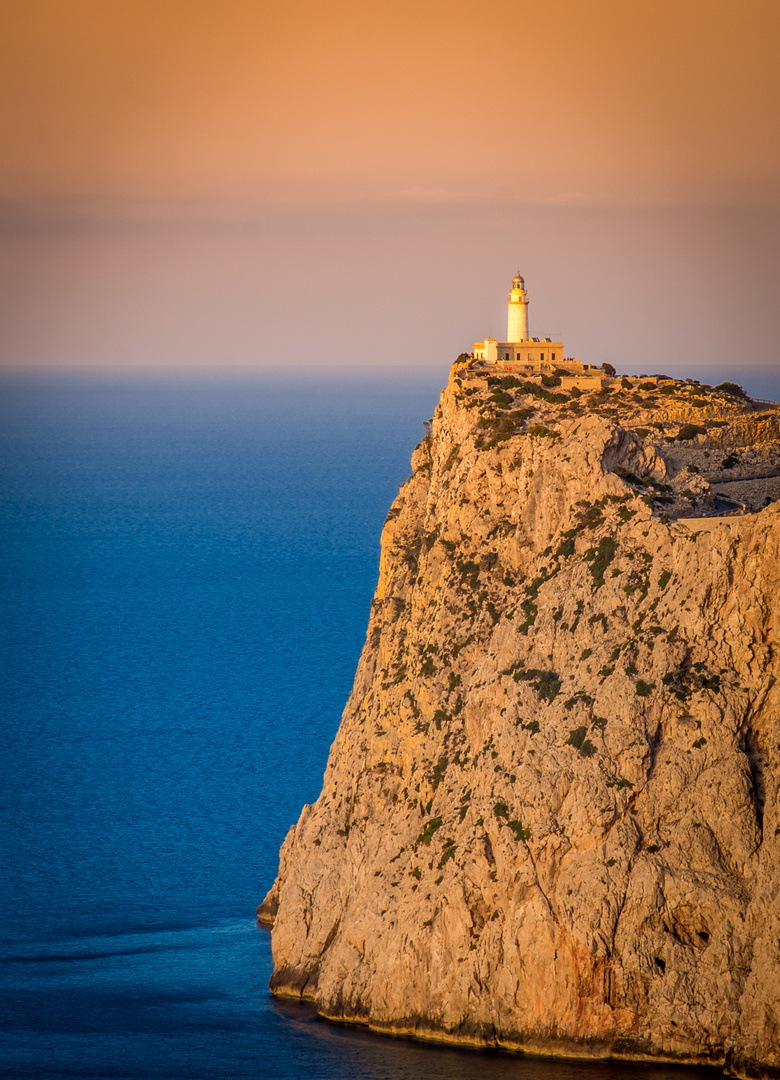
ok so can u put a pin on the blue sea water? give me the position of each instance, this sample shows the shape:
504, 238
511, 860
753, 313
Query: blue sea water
187, 566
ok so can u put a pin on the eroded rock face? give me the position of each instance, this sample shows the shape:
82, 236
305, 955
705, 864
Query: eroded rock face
550, 817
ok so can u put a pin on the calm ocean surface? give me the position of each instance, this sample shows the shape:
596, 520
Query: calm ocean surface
187, 566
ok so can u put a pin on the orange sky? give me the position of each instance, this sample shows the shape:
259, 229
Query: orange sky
615, 102
174, 174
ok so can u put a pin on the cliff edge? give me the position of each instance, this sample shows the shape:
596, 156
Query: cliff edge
550, 818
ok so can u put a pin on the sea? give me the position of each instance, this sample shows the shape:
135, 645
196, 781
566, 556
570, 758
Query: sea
187, 566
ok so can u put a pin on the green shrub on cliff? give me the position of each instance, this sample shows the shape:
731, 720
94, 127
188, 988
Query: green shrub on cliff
441, 717
530, 610
600, 558
547, 684
578, 740
544, 432
448, 853
427, 834
500, 397
566, 547
519, 831
688, 432
683, 682
437, 773
732, 390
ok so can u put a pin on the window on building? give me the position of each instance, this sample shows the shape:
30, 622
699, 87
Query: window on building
552, 357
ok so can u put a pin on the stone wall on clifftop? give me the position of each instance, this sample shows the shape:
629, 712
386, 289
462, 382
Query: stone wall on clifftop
550, 817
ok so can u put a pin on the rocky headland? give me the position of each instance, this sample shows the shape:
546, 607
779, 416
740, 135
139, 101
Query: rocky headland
550, 819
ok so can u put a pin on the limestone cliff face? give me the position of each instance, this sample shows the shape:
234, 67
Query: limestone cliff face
550, 819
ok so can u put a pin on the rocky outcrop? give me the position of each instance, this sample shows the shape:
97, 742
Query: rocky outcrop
550, 819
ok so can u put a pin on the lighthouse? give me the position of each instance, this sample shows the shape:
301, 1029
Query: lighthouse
517, 316
538, 355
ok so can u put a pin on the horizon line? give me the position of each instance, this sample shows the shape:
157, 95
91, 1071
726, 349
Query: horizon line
106, 211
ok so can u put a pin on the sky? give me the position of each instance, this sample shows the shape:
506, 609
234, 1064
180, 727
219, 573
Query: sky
190, 183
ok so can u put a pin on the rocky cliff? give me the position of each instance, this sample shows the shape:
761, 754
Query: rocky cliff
550, 819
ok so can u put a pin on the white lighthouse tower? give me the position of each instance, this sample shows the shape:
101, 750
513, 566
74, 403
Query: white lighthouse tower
517, 317
537, 355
